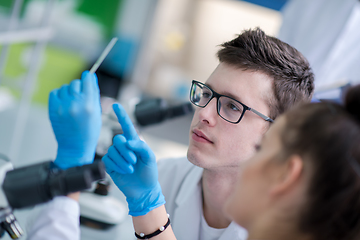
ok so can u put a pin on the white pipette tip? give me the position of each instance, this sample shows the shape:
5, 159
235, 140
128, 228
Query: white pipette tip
103, 55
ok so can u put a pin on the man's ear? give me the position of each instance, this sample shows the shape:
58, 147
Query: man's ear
289, 176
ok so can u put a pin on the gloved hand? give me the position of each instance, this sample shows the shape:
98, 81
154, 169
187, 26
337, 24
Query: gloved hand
132, 166
75, 115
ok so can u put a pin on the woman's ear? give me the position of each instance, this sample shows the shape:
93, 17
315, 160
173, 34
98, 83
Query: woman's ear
289, 175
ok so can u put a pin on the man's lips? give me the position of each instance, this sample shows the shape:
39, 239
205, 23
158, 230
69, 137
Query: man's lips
200, 137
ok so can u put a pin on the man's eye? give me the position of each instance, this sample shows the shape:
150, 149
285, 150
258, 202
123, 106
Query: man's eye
206, 95
233, 107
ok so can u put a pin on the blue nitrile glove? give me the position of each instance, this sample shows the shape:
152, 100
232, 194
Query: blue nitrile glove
132, 166
75, 115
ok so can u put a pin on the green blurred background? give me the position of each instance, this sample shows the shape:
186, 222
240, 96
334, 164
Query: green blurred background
59, 65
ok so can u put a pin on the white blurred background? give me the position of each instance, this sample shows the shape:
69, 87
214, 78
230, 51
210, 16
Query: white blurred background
163, 45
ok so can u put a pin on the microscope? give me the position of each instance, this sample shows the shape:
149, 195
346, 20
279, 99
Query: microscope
34, 184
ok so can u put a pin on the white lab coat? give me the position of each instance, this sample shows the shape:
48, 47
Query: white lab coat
327, 33
180, 183
56, 220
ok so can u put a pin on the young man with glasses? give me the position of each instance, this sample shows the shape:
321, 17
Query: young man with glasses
258, 78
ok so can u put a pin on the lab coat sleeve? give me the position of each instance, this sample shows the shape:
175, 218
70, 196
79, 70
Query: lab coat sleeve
57, 219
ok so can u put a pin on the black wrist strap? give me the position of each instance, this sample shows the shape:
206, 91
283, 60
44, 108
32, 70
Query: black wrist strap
157, 232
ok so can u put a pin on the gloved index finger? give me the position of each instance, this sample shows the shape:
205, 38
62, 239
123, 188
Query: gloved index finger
89, 82
125, 122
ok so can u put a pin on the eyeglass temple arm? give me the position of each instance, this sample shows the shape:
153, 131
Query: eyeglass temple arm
261, 115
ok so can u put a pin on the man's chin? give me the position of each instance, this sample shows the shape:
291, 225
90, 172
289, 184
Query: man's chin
197, 159
194, 158
211, 162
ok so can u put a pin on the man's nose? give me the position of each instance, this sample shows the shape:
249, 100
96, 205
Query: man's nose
209, 113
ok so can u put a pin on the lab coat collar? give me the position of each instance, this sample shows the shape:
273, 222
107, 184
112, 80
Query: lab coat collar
187, 215
190, 185
189, 210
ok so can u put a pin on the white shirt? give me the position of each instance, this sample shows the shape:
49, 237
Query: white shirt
207, 232
327, 33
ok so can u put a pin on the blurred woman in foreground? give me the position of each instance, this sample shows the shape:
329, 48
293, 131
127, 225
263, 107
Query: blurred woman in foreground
304, 181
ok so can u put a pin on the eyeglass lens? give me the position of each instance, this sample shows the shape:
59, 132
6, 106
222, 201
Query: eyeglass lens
228, 108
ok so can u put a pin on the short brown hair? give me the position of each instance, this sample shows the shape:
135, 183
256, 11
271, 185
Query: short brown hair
290, 70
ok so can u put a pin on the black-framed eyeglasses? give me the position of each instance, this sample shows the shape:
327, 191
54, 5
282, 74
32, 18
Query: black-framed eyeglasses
229, 109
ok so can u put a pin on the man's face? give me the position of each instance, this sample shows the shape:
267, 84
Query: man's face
216, 144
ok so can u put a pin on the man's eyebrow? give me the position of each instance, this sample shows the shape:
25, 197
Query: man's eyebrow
226, 93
